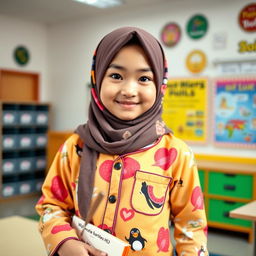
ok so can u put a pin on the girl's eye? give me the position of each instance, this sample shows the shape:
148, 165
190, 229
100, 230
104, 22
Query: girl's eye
145, 79
116, 76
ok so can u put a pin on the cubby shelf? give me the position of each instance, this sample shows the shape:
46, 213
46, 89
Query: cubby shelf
23, 150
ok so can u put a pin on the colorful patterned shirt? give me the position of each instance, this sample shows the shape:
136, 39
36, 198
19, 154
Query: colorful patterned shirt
144, 191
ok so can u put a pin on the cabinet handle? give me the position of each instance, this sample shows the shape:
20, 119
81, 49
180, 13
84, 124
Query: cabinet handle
229, 187
226, 214
230, 174
229, 202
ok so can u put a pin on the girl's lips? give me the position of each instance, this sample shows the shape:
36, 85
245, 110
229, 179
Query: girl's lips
127, 104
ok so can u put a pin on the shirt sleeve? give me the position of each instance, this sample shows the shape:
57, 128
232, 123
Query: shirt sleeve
187, 203
57, 203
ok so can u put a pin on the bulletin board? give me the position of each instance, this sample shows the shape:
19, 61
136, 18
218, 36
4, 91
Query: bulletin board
18, 85
235, 112
185, 108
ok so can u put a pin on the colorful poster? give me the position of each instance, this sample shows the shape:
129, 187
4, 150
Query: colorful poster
185, 108
235, 112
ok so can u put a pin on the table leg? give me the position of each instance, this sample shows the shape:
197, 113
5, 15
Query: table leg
254, 239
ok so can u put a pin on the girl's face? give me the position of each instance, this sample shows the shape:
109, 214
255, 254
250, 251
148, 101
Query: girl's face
128, 88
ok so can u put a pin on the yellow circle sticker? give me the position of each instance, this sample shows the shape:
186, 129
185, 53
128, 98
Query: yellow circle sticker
196, 61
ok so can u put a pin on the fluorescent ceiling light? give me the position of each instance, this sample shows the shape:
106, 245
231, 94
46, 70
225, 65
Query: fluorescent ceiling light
101, 3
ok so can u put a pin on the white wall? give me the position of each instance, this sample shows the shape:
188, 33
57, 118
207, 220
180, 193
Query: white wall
69, 48
14, 32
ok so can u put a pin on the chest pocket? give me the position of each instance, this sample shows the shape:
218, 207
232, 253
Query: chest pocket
149, 192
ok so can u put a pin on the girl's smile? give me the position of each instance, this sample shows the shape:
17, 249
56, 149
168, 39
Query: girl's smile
128, 88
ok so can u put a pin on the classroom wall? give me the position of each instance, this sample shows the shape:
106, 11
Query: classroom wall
63, 52
34, 36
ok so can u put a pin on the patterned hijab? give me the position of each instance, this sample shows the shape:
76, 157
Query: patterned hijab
105, 133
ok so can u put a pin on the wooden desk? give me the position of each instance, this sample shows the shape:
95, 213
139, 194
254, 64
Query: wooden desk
20, 236
247, 212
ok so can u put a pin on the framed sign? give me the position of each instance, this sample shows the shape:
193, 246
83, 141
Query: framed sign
235, 112
196, 61
185, 108
171, 34
247, 18
197, 26
21, 55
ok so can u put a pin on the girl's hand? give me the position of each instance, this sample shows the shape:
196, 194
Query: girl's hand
78, 248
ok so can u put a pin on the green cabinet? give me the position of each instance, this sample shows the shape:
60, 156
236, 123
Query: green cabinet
219, 212
227, 186
231, 185
202, 179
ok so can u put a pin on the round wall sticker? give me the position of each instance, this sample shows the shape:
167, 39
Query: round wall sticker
247, 18
196, 61
171, 34
21, 55
197, 26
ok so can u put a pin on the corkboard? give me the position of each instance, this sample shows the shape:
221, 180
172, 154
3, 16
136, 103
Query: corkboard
18, 86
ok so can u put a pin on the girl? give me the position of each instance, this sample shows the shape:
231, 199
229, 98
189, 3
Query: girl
148, 176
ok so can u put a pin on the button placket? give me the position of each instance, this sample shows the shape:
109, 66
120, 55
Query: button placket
113, 196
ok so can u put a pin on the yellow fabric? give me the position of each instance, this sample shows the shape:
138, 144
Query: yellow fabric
151, 186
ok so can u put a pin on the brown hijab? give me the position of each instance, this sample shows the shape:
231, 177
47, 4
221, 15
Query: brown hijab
105, 133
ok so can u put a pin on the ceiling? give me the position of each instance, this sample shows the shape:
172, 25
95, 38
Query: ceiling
55, 11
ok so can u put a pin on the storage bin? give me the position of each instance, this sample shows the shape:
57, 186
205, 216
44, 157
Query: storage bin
9, 189
10, 118
9, 142
9, 166
26, 117
38, 184
26, 164
41, 118
26, 141
40, 163
25, 187
40, 140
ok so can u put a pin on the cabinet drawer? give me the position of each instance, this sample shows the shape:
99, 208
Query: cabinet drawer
233, 185
202, 178
219, 212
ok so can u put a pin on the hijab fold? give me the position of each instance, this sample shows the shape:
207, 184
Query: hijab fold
105, 133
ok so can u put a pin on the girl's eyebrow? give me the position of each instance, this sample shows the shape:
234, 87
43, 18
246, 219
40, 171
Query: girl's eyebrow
123, 68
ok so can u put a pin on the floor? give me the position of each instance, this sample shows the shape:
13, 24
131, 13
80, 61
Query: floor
220, 242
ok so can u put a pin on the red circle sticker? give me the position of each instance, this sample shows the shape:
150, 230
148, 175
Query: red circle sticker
247, 18
171, 34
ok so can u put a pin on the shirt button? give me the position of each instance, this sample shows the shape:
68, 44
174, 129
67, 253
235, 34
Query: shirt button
112, 199
117, 166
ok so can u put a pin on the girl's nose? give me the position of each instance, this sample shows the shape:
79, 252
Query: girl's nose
129, 89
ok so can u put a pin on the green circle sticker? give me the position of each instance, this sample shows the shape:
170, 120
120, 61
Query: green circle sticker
21, 55
197, 26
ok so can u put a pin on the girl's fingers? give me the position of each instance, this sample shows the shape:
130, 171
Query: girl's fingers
93, 251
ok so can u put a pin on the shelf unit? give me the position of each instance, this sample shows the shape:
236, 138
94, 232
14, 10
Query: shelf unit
23, 154
227, 183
